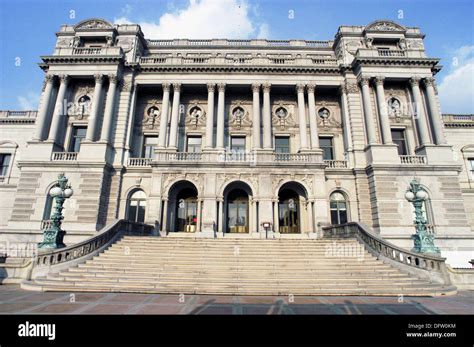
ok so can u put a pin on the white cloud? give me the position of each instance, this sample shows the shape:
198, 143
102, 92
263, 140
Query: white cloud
456, 90
204, 19
28, 102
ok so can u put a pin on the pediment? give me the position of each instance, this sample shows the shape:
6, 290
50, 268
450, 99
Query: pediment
93, 23
385, 25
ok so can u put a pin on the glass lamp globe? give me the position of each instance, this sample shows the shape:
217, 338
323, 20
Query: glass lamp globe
68, 192
421, 195
409, 196
55, 191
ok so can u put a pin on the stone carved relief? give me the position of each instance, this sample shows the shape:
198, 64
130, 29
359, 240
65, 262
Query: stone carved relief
325, 115
64, 42
384, 26
126, 43
93, 24
352, 87
282, 115
239, 116
170, 178
151, 118
196, 116
352, 47
224, 179
82, 102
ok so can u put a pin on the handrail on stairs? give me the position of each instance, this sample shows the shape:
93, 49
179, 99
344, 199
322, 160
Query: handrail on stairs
426, 266
53, 260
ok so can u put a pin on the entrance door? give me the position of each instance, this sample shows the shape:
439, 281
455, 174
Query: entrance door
289, 214
237, 212
187, 215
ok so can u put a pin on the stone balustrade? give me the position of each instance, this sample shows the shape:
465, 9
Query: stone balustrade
251, 43
303, 61
87, 51
458, 120
139, 162
18, 117
389, 53
64, 156
424, 265
50, 261
413, 160
336, 164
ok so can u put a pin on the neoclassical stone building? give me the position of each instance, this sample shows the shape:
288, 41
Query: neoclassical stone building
215, 138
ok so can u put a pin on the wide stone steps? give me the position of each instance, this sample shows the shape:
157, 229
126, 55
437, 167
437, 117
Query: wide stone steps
236, 267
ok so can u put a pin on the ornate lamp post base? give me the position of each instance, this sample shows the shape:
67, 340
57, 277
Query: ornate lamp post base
53, 239
424, 243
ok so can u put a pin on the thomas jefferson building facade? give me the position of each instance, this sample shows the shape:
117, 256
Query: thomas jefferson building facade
214, 138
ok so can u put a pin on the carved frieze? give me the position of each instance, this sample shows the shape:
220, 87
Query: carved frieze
239, 115
196, 116
283, 114
152, 115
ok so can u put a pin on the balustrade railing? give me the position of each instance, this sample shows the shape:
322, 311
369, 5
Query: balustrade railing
225, 42
64, 156
185, 156
412, 159
336, 164
240, 157
139, 162
391, 53
293, 157
82, 249
427, 265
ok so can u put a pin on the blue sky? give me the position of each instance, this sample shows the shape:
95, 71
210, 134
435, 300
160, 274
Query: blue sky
27, 30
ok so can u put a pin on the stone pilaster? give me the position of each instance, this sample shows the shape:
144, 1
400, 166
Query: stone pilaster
313, 117
210, 115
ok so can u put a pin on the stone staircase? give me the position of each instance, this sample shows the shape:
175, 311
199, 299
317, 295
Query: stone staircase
236, 267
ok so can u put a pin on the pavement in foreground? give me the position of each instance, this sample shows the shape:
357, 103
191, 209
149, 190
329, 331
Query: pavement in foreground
14, 300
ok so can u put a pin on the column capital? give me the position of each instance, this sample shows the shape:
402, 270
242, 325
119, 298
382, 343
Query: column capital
310, 87
379, 80
363, 80
99, 78
266, 87
49, 78
177, 87
221, 87
300, 87
211, 87
429, 81
113, 78
256, 87
64, 79
166, 86
414, 81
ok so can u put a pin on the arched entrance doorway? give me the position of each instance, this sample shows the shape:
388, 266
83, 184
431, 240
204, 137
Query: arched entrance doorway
237, 209
183, 207
291, 198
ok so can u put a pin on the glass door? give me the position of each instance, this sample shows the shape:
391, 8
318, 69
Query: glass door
288, 216
237, 214
187, 215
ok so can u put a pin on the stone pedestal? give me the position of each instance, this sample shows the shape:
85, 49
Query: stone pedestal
382, 154
436, 154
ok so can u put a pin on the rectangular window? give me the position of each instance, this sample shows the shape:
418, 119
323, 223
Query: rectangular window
4, 164
78, 134
149, 145
282, 144
471, 167
325, 143
398, 137
237, 143
194, 144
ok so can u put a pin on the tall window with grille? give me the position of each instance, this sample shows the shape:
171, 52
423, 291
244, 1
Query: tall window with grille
326, 144
194, 144
4, 164
77, 136
149, 144
282, 144
398, 137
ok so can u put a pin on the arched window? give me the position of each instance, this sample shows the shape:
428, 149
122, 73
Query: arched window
136, 206
338, 207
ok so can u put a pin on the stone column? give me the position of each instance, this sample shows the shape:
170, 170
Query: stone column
109, 109
164, 115
58, 108
309, 211
43, 113
436, 120
419, 112
164, 223
175, 116
369, 119
267, 117
345, 118
383, 111
96, 103
313, 117
220, 214
276, 220
302, 117
210, 115
220, 116
256, 116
